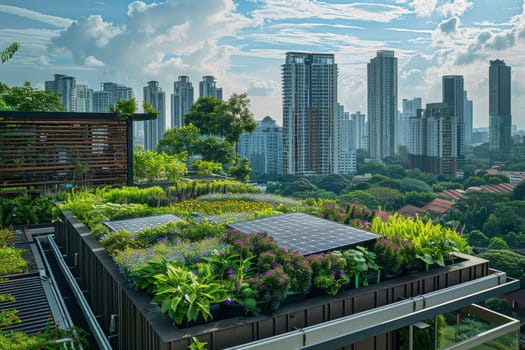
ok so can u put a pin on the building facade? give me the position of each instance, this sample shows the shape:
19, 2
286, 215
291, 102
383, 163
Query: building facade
181, 100
469, 120
500, 118
409, 110
208, 87
310, 113
84, 98
359, 131
108, 95
382, 105
263, 147
453, 96
432, 142
66, 87
154, 129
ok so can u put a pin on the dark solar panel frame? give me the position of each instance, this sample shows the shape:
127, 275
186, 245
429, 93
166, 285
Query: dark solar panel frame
139, 224
305, 233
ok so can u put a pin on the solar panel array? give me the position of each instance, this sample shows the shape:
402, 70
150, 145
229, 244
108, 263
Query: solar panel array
305, 233
139, 224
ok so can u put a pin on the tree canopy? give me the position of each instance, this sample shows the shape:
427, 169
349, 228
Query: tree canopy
8, 53
28, 99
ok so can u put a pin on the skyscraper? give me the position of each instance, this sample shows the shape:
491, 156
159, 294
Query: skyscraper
433, 140
410, 108
358, 129
263, 147
208, 87
108, 95
154, 129
66, 87
453, 95
347, 159
181, 100
469, 120
84, 98
500, 119
310, 113
382, 105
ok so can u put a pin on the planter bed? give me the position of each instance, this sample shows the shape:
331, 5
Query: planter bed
135, 323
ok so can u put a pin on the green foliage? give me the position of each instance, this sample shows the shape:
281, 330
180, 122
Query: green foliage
433, 243
8, 53
298, 185
333, 183
149, 109
45, 339
193, 189
519, 191
418, 199
180, 140
387, 198
11, 260
213, 149
119, 241
28, 99
499, 305
23, 209
124, 109
476, 238
358, 197
153, 196
507, 261
498, 243
414, 185
204, 167
241, 170
184, 295
149, 166
197, 345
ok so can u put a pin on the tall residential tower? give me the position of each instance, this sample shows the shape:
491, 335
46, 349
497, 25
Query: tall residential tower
453, 96
208, 87
181, 100
154, 129
66, 87
310, 113
500, 119
382, 105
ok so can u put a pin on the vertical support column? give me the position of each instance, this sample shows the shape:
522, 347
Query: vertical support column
129, 141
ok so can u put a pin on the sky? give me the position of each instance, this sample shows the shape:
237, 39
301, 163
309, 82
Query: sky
243, 44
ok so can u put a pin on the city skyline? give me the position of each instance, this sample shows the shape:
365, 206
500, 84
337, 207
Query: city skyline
242, 45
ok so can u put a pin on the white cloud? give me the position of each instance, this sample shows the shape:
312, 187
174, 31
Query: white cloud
455, 8
301, 9
93, 62
37, 16
424, 8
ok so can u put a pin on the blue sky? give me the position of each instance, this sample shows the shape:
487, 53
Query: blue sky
243, 44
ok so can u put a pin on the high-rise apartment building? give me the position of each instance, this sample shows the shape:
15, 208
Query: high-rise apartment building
500, 119
84, 98
433, 140
66, 87
263, 147
310, 113
181, 100
382, 105
208, 87
108, 95
469, 120
347, 158
453, 95
359, 131
410, 108
154, 129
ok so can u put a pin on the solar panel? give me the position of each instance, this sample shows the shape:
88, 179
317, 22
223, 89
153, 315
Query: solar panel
305, 233
139, 224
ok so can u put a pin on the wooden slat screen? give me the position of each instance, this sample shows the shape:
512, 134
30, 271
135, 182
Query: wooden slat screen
49, 154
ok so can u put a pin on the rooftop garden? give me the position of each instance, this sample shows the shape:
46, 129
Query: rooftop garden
197, 269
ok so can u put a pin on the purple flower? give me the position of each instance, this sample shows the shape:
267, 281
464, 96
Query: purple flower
342, 272
228, 301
